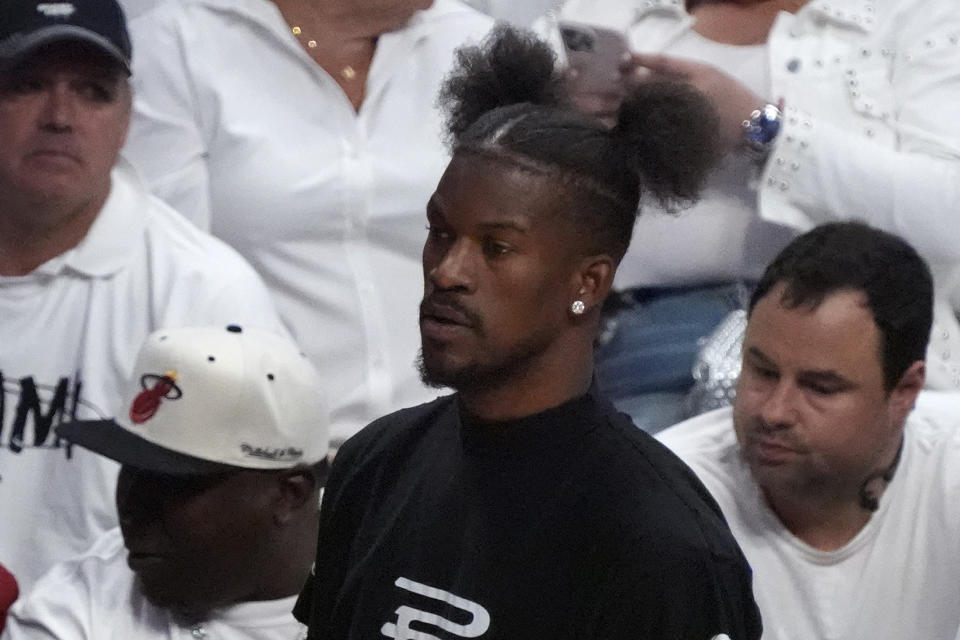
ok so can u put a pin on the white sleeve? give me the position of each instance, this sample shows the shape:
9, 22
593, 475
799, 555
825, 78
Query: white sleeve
819, 171
57, 608
167, 143
244, 300
230, 292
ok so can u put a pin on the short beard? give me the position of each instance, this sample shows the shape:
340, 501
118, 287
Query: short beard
477, 377
466, 378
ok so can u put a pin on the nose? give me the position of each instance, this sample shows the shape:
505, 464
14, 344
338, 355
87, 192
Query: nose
59, 108
453, 268
778, 410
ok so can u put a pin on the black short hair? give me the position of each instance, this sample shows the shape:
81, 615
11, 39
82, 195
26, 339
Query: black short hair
506, 101
854, 256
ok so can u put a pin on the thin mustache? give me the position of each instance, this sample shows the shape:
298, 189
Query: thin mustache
766, 433
450, 301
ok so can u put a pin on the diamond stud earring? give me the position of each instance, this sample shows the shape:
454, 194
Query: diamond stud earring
578, 307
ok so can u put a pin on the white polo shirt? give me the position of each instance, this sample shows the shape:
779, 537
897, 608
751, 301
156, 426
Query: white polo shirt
69, 333
237, 127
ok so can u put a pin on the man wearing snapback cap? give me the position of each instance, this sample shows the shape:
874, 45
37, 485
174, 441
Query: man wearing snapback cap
90, 264
223, 440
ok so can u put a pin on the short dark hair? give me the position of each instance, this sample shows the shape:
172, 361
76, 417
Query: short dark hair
506, 101
854, 256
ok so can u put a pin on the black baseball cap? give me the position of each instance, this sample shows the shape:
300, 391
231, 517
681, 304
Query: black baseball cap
26, 25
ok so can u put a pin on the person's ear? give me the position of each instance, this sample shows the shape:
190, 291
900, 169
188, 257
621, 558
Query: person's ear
297, 490
591, 283
904, 394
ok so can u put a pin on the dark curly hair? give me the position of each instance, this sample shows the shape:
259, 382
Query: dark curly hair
853, 256
506, 101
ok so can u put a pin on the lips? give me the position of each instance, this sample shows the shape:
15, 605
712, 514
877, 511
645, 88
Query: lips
140, 561
443, 319
443, 314
773, 450
55, 154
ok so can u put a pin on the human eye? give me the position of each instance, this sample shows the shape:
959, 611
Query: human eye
436, 232
823, 388
97, 91
760, 373
493, 248
21, 84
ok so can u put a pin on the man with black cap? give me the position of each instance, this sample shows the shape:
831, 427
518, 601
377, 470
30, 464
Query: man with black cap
222, 435
90, 264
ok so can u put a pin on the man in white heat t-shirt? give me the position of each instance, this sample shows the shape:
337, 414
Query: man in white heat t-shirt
847, 509
223, 445
90, 264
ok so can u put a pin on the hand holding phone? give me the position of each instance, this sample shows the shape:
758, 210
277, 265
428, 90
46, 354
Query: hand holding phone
594, 53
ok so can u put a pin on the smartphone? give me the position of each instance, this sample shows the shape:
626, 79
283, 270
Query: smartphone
595, 54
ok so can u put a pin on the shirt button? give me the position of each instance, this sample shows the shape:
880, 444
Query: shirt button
793, 65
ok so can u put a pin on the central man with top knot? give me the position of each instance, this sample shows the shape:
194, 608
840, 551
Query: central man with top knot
524, 506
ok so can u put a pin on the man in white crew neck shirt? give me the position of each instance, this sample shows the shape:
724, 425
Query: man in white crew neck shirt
845, 502
222, 435
90, 264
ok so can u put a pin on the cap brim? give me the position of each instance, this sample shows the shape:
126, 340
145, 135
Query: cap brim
24, 46
109, 439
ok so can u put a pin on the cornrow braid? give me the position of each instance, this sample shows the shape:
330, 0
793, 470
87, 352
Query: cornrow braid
505, 101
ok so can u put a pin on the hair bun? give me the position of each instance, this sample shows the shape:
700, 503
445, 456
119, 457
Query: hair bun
672, 139
511, 66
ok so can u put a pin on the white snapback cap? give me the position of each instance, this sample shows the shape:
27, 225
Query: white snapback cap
203, 400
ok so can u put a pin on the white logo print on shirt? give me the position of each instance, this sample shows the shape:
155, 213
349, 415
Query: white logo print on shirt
479, 622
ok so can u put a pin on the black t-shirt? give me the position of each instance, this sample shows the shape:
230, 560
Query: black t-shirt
568, 524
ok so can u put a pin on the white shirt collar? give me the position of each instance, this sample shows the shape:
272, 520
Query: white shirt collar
675, 8
266, 12
111, 240
858, 15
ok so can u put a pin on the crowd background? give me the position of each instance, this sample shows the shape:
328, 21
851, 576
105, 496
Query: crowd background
310, 140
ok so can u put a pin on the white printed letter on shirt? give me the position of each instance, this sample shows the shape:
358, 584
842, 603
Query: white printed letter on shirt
479, 622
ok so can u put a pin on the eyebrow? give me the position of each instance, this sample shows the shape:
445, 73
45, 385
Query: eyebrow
754, 352
827, 377
816, 375
503, 226
435, 209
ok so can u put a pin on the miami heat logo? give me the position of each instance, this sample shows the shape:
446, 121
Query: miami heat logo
148, 401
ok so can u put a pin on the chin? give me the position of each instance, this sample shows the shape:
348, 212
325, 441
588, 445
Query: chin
160, 594
439, 373
185, 609
434, 372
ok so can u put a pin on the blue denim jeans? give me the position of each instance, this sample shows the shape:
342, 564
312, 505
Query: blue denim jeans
646, 351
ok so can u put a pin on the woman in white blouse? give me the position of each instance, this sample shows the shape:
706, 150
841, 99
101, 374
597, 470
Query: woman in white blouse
304, 133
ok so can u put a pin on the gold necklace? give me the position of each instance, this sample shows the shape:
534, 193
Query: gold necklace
348, 72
